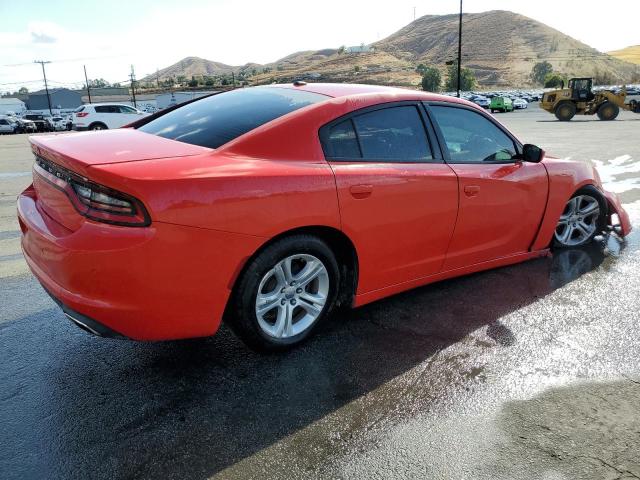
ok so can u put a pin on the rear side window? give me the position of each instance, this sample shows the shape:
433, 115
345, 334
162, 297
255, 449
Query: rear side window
107, 109
343, 142
79, 109
393, 134
216, 120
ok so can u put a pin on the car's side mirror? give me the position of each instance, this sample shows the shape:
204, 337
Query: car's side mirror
532, 153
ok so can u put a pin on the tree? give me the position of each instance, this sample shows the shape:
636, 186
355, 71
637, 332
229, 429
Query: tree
421, 68
98, 83
356, 68
341, 50
431, 79
467, 78
181, 79
554, 80
539, 71
23, 90
193, 82
209, 82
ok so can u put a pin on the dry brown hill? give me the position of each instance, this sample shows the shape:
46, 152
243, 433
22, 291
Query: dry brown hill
629, 54
192, 66
500, 46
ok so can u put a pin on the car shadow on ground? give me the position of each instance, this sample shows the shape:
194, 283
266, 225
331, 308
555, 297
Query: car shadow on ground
76, 406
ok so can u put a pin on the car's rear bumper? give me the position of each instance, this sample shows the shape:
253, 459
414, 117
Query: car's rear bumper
160, 282
79, 128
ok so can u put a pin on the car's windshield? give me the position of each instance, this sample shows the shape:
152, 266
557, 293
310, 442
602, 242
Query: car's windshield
216, 120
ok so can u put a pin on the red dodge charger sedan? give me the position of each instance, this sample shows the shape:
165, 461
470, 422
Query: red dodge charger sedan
269, 206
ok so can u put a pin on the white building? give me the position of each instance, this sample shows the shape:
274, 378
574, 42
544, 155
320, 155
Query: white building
14, 105
360, 49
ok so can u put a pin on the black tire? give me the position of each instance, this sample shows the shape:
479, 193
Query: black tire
241, 315
98, 126
602, 218
565, 111
493, 111
608, 111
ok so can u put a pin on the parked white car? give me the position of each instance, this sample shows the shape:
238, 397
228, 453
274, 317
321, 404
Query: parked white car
101, 116
481, 101
520, 103
59, 123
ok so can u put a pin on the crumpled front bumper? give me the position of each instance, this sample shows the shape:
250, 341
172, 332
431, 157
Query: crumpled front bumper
623, 225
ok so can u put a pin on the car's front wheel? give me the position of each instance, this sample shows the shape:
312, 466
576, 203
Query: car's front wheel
284, 293
583, 217
98, 126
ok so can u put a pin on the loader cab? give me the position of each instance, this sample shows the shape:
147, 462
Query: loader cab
581, 89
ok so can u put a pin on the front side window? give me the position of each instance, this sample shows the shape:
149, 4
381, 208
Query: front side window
472, 138
393, 134
213, 121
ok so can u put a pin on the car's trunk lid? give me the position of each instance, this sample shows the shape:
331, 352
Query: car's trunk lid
78, 151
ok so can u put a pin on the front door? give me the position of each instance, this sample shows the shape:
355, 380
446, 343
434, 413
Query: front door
502, 199
398, 199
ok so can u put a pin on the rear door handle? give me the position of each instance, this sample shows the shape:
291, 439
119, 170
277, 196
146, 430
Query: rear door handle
361, 191
471, 190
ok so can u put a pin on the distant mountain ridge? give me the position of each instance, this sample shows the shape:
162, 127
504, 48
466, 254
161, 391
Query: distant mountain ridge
501, 47
630, 54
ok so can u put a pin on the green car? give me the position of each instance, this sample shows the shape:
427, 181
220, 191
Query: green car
501, 104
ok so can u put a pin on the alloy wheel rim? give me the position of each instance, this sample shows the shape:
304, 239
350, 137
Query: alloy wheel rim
291, 296
578, 221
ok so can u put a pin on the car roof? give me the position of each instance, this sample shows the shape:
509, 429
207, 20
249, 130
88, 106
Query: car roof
351, 89
107, 104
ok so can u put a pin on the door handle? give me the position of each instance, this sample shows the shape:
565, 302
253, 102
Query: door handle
361, 191
471, 190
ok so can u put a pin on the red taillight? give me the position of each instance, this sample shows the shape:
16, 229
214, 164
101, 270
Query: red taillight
82, 114
93, 200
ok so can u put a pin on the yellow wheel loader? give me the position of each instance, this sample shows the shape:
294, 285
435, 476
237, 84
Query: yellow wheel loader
580, 99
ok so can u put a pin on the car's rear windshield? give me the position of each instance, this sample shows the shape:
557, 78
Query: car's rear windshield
216, 120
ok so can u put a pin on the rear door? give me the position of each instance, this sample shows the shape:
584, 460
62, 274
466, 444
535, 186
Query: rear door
398, 199
502, 199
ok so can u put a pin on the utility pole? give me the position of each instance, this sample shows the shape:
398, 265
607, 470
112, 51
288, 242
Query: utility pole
459, 47
233, 79
157, 78
133, 86
46, 87
87, 80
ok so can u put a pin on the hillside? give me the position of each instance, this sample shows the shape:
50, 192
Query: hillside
629, 54
191, 66
500, 46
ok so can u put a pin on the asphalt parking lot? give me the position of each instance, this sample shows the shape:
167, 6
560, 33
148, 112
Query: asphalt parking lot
525, 372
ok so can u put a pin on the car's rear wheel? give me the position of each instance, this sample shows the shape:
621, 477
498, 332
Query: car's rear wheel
284, 293
583, 217
97, 126
565, 111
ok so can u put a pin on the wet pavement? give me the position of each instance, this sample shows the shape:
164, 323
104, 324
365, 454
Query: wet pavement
529, 371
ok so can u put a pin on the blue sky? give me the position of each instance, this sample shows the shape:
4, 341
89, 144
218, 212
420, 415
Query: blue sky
108, 37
